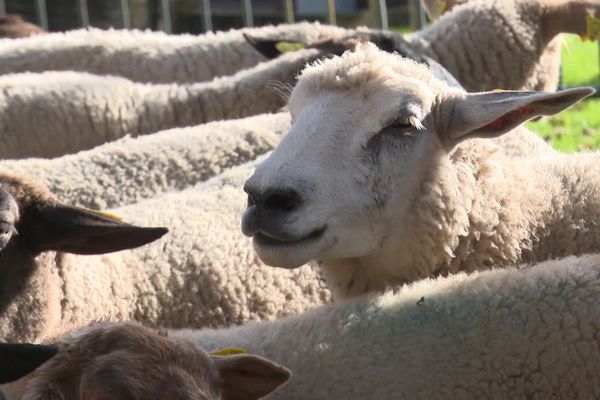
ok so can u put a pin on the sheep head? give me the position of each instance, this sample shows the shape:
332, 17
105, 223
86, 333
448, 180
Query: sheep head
33, 221
129, 361
366, 127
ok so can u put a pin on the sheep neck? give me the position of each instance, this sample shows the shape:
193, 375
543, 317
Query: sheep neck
478, 209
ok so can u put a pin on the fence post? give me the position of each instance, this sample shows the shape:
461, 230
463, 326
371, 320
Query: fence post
289, 11
42, 13
331, 12
166, 16
84, 13
2, 7
125, 14
383, 15
207, 16
248, 17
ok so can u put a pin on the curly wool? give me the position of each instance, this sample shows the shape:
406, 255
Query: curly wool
204, 273
131, 169
147, 56
488, 45
525, 332
56, 113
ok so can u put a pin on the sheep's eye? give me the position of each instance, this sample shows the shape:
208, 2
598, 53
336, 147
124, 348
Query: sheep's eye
398, 127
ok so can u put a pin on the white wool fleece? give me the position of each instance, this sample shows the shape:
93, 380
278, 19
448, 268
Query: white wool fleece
131, 169
203, 273
528, 333
146, 56
56, 113
489, 44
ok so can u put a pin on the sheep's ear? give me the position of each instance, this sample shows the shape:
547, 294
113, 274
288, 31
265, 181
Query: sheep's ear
490, 114
20, 359
248, 377
82, 231
273, 48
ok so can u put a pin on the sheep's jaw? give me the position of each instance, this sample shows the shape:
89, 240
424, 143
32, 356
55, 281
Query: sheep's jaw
290, 252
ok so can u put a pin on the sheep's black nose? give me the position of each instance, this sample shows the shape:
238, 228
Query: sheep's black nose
276, 198
283, 199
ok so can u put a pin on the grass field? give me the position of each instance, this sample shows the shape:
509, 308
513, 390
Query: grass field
579, 127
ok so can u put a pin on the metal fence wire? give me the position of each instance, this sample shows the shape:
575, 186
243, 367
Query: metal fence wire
204, 6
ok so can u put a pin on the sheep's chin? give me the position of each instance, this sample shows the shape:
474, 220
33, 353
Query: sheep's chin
290, 254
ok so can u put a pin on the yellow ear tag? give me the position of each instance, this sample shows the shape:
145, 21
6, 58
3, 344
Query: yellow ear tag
439, 7
284, 47
592, 28
228, 351
104, 214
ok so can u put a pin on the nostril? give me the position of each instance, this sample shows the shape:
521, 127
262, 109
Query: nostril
251, 201
5, 228
282, 200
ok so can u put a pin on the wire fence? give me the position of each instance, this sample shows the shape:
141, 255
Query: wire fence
204, 7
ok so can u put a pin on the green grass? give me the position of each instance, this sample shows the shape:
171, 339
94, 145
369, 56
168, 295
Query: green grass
580, 62
577, 128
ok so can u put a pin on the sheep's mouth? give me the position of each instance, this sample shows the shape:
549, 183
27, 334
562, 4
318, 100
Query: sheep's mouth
263, 239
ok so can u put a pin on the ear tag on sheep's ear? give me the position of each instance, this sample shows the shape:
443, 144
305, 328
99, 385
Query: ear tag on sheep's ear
286, 47
438, 8
228, 351
592, 28
104, 214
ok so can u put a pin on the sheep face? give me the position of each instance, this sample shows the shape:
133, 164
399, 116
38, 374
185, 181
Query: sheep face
331, 176
367, 128
128, 361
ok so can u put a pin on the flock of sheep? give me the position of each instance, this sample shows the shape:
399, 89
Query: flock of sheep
428, 245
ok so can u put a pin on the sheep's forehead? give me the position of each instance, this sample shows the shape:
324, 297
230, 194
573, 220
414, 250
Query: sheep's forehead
366, 70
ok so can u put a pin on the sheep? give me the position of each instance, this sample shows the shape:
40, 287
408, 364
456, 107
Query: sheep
465, 40
501, 334
54, 113
378, 179
129, 170
145, 56
13, 26
527, 332
203, 274
113, 360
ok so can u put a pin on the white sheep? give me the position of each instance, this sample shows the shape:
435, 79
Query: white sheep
146, 56
508, 44
54, 113
128, 361
528, 332
131, 169
378, 181
502, 334
203, 274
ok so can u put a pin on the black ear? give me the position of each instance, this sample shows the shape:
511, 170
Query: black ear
266, 47
20, 359
273, 48
81, 231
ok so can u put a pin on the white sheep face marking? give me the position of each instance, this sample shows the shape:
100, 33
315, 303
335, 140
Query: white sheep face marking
334, 172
